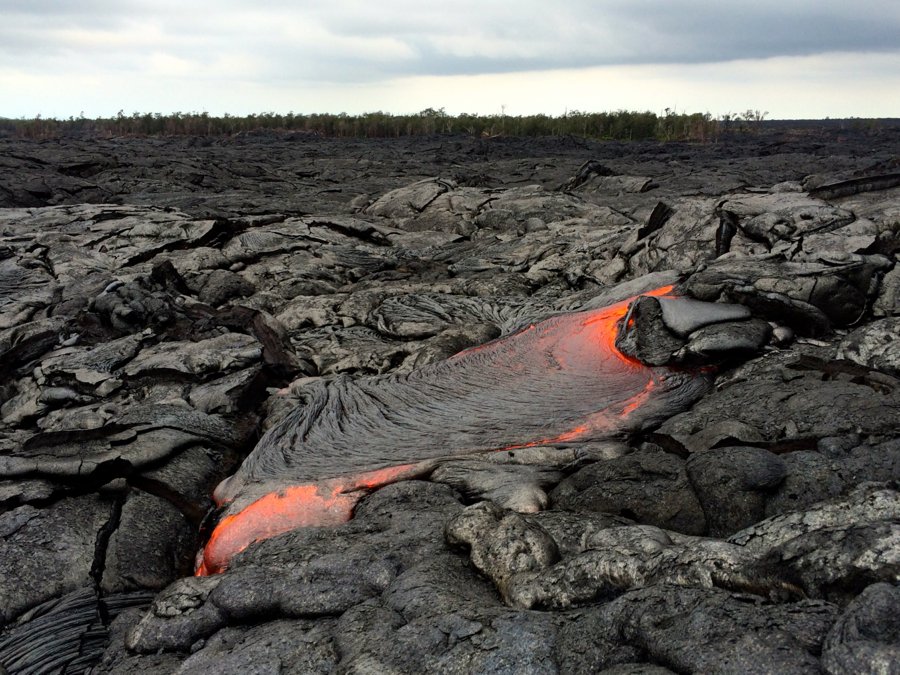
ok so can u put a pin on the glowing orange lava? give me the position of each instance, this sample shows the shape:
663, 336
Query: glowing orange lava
602, 330
573, 346
313, 505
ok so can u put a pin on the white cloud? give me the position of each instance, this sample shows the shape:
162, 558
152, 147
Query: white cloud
789, 87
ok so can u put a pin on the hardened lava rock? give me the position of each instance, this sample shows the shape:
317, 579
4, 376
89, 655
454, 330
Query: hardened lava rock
167, 303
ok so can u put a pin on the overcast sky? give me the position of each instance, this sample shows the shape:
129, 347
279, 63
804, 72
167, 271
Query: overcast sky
792, 58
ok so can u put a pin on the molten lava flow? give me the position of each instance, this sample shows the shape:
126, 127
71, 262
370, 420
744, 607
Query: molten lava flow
313, 505
271, 514
579, 346
557, 381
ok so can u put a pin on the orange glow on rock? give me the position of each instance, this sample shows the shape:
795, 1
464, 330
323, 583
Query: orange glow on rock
272, 514
321, 504
602, 328
573, 353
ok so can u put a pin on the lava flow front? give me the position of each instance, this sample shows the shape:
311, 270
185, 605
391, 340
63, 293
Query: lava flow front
561, 380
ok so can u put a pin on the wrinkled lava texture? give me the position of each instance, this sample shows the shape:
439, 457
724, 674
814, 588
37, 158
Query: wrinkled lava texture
397, 396
561, 380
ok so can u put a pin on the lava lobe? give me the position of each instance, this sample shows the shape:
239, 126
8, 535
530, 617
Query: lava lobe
558, 381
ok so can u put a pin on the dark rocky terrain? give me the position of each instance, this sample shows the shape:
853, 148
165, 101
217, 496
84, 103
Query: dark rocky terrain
164, 302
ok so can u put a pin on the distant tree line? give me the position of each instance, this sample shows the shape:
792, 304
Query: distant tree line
619, 125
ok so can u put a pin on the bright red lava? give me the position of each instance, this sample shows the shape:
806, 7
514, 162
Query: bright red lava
604, 325
331, 501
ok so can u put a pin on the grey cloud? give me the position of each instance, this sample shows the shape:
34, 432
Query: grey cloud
642, 31
702, 31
